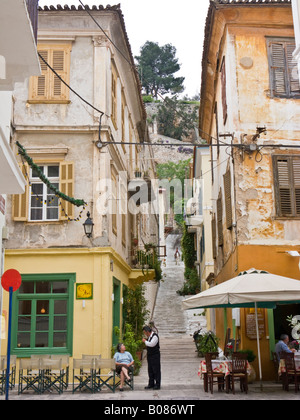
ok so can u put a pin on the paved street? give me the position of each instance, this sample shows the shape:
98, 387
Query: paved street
179, 360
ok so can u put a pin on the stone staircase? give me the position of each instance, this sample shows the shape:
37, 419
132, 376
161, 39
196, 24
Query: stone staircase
179, 360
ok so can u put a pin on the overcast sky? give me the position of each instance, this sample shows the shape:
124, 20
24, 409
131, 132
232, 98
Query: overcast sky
176, 22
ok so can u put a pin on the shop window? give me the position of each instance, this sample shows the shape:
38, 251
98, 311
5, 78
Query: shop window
43, 315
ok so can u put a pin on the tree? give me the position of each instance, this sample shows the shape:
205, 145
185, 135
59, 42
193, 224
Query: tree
157, 66
175, 119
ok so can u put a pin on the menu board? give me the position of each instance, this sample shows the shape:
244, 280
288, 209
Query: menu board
251, 324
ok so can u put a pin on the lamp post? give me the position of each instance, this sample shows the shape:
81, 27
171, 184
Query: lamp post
88, 226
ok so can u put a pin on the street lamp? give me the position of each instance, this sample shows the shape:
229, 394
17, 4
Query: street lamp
88, 226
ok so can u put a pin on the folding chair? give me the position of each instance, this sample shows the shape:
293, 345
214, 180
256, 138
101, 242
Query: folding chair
65, 360
12, 372
129, 383
105, 374
83, 372
52, 375
30, 376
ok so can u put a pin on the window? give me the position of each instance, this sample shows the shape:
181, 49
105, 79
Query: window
43, 315
220, 218
44, 205
39, 203
287, 185
48, 88
284, 79
114, 198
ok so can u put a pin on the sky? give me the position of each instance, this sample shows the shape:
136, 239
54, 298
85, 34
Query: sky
177, 22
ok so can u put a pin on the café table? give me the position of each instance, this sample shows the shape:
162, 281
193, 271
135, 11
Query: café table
282, 369
219, 366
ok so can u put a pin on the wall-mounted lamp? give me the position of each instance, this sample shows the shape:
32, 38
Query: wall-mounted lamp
88, 226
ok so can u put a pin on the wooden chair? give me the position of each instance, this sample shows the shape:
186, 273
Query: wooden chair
239, 371
278, 378
291, 373
213, 377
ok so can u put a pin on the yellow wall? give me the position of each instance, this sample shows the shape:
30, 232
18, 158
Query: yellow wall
92, 328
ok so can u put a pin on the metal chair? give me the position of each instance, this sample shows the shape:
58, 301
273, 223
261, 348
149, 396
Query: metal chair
30, 377
52, 375
239, 371
214, 377
105, 374
83, 375
291, 373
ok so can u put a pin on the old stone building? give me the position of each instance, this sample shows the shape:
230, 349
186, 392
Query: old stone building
249, 114
87, 142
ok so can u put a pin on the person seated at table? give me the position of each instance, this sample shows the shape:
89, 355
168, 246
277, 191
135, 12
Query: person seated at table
124, 363
282, 345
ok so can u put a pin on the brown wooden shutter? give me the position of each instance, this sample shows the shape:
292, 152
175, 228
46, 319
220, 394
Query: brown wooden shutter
278, 83
67, 188
287, 185
59, 65
227, 193
224, 99
220, 219
20, 202
296, 176
214, 236
283, 187
284, 77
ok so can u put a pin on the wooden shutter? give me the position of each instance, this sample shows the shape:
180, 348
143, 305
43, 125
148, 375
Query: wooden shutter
214, 236
287, 185
220, 219
227, 193
48, 87
224, 98
283, 68
278, 73
20, 202
67, 188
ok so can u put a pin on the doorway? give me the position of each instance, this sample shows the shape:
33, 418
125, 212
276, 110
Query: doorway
116, 309
281, 325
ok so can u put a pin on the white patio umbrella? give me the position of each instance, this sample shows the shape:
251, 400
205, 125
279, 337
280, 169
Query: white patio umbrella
250, 289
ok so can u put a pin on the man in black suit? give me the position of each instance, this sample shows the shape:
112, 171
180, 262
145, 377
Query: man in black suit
153, 358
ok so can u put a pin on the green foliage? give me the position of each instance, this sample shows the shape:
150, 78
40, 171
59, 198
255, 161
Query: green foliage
206, 343
176, 119
134, 307
189, 257
131, 343
250, 355
157, 66
148, 99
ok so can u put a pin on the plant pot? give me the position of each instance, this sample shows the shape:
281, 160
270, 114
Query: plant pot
251, 375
